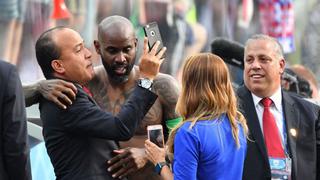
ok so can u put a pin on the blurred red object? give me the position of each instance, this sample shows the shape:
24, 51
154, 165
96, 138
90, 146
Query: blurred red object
60, 10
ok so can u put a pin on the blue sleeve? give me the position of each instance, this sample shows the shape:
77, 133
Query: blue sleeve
186, 154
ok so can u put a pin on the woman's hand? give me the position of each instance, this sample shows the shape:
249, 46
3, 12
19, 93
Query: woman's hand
154, 153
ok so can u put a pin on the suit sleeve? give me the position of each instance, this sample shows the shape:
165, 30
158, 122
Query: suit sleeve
84, 117
16, 150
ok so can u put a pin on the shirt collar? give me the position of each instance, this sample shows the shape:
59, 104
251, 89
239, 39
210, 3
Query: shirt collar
276, 98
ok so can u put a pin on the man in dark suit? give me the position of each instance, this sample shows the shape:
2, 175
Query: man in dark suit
14, 150
296, 122
80, 138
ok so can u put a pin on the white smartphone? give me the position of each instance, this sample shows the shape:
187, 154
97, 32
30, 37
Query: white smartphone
155, 135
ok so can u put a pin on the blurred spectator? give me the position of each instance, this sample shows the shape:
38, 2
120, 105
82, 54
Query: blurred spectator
310, 47
308, 75
11, 21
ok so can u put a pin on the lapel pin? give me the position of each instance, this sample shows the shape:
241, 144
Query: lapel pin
293, 132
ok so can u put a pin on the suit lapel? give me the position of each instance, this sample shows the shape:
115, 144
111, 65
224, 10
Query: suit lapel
252, 121
292, 119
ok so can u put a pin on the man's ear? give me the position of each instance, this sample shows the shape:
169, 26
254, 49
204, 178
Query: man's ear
136, 42
282, 65
57, 66
97, 46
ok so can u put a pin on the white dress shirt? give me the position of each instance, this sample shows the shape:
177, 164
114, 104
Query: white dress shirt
275, 108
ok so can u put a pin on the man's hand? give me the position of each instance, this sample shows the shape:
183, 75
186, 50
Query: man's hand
150, 61
58, 91
127, 161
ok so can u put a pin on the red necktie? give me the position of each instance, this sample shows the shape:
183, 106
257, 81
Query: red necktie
271, 133
85, 89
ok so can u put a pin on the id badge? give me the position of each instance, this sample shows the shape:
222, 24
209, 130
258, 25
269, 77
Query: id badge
280, 168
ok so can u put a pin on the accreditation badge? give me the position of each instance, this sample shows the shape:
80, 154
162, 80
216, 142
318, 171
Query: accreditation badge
280, 168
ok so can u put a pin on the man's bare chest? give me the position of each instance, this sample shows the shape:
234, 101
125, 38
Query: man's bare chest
113, 102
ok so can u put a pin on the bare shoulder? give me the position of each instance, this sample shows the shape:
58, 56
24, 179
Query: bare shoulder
166, 87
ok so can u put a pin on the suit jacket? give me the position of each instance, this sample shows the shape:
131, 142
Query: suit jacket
14, 150
80, 139
304, 147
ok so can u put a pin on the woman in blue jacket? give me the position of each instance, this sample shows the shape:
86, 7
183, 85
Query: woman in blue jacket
210, 143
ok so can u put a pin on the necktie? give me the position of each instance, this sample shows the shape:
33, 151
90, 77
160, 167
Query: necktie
85, 89
271, 132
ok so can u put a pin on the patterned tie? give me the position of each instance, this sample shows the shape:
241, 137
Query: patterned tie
271, 133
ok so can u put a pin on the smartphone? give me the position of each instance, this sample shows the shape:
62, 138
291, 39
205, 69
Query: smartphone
152, 32
155, 135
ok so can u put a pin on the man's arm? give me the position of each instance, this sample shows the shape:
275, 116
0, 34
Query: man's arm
166, 87
58, 91
15, 143
84, 117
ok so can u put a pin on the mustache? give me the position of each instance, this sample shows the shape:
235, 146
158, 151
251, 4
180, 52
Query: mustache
119, 64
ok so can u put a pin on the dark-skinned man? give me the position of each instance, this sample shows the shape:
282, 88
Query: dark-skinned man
113, 83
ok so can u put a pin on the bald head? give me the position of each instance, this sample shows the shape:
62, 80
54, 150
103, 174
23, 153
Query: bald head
115, 25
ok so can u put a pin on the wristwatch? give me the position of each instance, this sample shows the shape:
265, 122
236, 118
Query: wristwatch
145, 83
159, 167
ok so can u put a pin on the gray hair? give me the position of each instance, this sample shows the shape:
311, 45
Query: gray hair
277, 45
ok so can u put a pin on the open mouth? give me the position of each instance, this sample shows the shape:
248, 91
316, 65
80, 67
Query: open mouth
120, 70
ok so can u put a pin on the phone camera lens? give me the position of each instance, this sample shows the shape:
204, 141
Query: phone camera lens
152, 33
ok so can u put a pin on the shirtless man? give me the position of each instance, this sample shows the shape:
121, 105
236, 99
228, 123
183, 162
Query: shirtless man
112, 85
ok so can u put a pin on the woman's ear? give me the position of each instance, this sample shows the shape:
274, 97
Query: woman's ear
57, 66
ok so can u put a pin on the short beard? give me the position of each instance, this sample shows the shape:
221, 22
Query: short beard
115, 77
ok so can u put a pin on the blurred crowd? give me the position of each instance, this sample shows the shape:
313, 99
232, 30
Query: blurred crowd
233, 60
187, 26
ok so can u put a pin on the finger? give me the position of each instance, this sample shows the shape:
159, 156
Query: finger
128, 172
161, 52
149, 143
120, 172
119, 151
155, 48
70, 93
69, 85
59, 98
65, 98
161, 61
118, 164
57, 102
121, 154
145, 46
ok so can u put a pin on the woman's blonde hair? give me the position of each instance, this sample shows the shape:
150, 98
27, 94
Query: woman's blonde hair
207, 93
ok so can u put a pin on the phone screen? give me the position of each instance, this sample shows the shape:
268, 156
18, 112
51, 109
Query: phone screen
152, 32
155, 135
